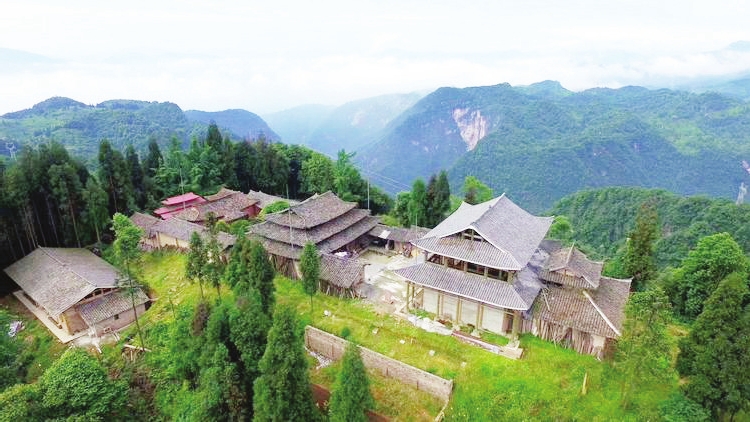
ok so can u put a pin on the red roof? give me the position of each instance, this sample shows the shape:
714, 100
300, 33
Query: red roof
187, 198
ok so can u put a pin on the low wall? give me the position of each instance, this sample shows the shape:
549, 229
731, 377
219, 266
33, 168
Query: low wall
333, 347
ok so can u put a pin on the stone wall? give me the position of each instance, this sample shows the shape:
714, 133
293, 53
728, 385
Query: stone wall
333, 347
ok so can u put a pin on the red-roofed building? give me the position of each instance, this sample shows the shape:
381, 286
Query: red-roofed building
178, 203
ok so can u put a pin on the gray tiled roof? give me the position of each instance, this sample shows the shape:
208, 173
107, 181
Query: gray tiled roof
315, 234
182, 230
311, 212
398, 234
571, 307
227, 205
470, 286
483, 253
144, 221
515, 233
109, 305
571, 260
57, 278
341, 272
265, 199
293, 250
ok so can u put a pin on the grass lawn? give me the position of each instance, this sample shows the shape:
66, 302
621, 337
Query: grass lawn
545, 385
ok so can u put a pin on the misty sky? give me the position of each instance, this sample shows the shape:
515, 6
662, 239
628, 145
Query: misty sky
272, 55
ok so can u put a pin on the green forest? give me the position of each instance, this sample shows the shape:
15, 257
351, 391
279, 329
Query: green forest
224, 339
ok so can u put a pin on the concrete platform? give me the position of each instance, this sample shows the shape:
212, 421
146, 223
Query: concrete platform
42, 316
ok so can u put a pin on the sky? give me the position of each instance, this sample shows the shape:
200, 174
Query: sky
274, 55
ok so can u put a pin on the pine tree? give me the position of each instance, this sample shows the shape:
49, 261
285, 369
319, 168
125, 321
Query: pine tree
114, 176
235, 274
714, 357
351, 397
260, 275
282, 392
248, 327
639, 257
310, 267
153, 159
643, 350
137, 178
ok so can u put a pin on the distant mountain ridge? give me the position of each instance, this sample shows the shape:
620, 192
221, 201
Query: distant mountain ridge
349, 126
80, 127
242, 123
541, 142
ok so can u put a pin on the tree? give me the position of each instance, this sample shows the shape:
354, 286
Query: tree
401, 208
248, 328
476, 192
639, 259
351, 398
438, 199
713, 258
260, 275
76, 385
310, 267
196, 261
561, 229
317, 174
8, 354
235, 273
346, 178
66, 186
137, 177
714, 355
418, 204
282, 392
95, 200
115, 177
153, 159
643, 350
214, 261
128, 253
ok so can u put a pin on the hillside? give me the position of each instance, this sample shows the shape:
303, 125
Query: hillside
242, 123
295, 125
80, 127
541, 142
602, 219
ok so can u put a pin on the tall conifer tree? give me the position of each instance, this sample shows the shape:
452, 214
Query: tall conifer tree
351, 397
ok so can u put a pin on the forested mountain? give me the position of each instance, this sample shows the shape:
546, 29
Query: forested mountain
80, 127
602, 219
542, 142
348, 127
242, 123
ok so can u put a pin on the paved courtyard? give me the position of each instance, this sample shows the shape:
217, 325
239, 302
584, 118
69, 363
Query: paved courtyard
381, 286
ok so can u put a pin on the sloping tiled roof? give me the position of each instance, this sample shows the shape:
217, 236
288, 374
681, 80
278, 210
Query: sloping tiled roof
109, 305
341, 272
398, 234
483, 253
599, 312
189, 197
515, 233
571, 260
57, 278
144, 221
470, 286
182, 230
312, 212
265, 199
222, 193
229, 207
316, 234
282, 246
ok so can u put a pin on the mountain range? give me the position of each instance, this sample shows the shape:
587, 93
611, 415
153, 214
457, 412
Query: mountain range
537, 143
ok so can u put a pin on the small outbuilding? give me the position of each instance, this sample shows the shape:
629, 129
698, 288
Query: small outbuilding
72, 291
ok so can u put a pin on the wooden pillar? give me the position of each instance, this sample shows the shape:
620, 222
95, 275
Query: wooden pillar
458, 310
486, 271
408, 295
440, 305
480, 307
466, 266
516, 324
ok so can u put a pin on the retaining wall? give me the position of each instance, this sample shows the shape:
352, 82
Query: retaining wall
333, 347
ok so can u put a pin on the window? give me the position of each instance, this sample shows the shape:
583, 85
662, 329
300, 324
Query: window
116, 317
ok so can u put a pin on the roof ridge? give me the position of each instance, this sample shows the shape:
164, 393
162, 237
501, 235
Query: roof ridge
603, 315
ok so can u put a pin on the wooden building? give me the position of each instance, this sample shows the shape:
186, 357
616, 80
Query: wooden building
226, 205
479, 266
75, 290
262, 200
398, 239
334, 226
578, 307
341, 276
173, 233
178, 203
